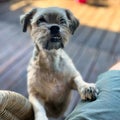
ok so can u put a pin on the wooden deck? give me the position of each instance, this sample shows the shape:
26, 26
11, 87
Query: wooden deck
94, 47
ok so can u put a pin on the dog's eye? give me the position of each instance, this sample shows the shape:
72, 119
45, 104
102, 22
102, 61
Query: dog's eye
62, 21
41, 20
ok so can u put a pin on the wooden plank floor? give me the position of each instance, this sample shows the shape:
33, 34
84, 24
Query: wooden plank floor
93, 48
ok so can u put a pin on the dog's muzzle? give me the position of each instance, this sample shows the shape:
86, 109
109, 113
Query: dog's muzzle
55, 41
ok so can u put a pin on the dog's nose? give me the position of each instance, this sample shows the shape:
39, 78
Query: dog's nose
54, 29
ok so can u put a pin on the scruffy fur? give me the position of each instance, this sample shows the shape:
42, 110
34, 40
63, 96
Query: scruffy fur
51, 73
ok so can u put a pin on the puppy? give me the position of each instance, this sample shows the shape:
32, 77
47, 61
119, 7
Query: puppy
51, 73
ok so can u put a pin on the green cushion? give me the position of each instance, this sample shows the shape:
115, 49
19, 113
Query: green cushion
107, 105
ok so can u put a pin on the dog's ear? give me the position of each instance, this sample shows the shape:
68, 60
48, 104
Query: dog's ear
25, 19
74, 23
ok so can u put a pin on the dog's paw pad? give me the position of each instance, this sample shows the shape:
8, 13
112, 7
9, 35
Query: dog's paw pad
89, 92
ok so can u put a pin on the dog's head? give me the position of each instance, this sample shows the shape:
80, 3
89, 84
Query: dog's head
51, 27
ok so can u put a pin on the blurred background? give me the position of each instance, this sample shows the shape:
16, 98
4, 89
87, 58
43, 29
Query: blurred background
93, 48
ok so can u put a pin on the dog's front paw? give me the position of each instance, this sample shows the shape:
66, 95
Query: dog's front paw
88, 92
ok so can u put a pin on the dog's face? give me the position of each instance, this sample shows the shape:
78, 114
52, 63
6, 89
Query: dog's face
51, 27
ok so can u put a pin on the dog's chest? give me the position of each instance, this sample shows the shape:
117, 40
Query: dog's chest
52, 76
61, 63
56, 66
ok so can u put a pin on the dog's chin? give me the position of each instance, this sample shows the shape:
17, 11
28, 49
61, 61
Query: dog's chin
54, 43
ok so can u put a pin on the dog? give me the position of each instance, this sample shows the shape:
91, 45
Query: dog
51, 73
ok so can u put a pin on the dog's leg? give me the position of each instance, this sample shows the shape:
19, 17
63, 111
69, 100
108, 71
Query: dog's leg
39, 110
87, 91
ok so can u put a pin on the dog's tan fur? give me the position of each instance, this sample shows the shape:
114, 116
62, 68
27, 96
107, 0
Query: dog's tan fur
51, 73
48, 85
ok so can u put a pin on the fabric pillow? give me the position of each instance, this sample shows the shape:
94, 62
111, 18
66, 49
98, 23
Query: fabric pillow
106, 106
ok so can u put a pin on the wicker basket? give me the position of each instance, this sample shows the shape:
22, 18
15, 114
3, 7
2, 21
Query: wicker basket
14, 106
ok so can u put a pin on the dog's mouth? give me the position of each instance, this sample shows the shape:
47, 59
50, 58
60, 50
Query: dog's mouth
55, 42
56, 38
